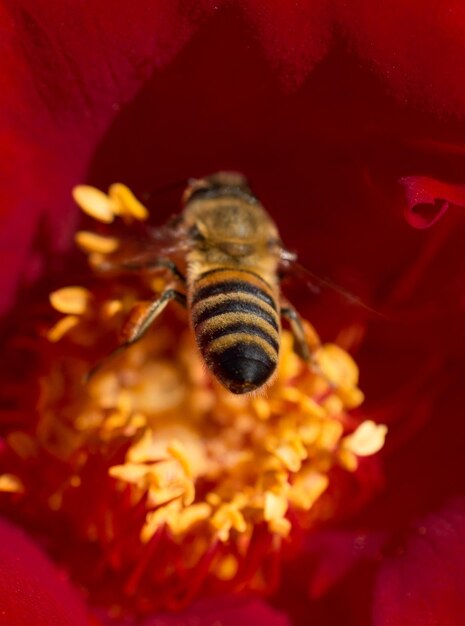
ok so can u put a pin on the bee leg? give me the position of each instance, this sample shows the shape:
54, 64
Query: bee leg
300, 343
136, 266
138, 322
144, 314
166, 263
301, 346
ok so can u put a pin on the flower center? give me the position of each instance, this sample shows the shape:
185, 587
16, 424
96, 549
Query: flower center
170, 485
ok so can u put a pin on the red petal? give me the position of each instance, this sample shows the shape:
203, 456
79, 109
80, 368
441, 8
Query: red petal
429, 199
67, 70
417, 46
295, 35
424, 583
336, 553
32, 591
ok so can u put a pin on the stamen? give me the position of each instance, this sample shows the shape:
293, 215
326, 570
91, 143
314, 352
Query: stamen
127, 204
62, 327
173, 484
367, 439
10, 484
91, 242
95, 203
73, 300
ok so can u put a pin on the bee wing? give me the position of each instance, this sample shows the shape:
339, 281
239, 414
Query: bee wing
290, 266
144, 251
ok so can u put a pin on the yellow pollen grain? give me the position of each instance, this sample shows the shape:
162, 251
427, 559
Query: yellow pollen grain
347, 459
289, 458
281, 527
138, 420
227, 567
91, 242
72, 300
351, 397
262, 408
115, 420
62, 327
227, 518
291, 394
127, 203
291, 453
156, 519
330, 434
307, 488
161, 496
191, 516
95, 203
124, 402
367, 439
188, 495
11, 484
158, 284
111, 308
337, 366
275, 506
178, 451
310, 407
130, 473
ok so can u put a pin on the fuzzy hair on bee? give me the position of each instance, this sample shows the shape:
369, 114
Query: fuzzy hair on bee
229, 282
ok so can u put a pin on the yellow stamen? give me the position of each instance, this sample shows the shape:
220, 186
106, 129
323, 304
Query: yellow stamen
281, 527
228, 518
127, 203
367, 439
178, 451
112, 307
73, 300
337, 366
209, 476
275, 506
62, 327
91, 242
95, 203
307, 488
10, 484
226, 568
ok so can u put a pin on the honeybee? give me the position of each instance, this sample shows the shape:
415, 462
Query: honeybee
232, 253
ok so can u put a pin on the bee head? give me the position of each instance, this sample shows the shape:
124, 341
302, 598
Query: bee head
221, 184
223, 216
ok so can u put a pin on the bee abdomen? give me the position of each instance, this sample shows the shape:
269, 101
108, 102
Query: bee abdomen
237, 327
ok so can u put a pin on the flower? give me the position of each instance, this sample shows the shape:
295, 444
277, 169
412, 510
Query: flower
334, 114
172, 486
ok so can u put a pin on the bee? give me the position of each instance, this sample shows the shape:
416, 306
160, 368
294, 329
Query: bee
232, 255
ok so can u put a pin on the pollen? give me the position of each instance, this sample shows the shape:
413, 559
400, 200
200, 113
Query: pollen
127, 204
91, 242
95, 203
172, 487
367, 439
72, 300
10, 484
62, 327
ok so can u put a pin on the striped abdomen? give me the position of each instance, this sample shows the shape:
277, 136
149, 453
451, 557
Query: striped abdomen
236, 323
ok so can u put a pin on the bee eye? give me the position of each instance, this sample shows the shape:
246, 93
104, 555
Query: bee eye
274, 243
195, 233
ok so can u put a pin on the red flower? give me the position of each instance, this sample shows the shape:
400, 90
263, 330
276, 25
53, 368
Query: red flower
348, 119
